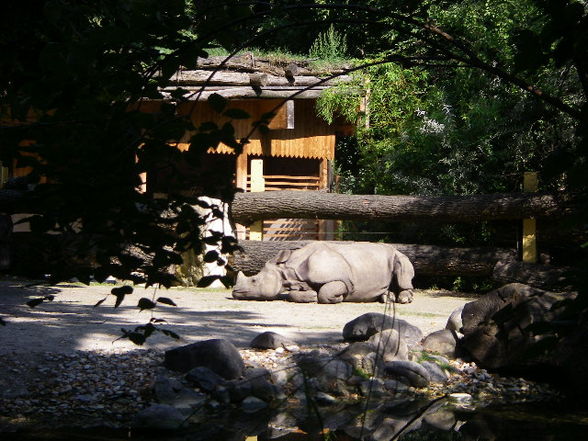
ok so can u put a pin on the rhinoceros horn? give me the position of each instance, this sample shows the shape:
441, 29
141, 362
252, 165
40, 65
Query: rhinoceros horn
265, 285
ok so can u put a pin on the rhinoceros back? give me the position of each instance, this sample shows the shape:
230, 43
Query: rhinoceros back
365, 268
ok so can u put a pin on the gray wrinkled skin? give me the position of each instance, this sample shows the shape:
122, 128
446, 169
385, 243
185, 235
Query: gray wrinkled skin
331, 273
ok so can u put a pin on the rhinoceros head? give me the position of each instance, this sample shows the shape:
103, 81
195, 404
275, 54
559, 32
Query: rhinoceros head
265, 285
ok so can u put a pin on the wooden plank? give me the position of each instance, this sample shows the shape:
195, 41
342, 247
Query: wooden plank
284, 118
529, 240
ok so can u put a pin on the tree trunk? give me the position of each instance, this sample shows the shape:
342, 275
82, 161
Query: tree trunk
249, 207
539, 276
427, 260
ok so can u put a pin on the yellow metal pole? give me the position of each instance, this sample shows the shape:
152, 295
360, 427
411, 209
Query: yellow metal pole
257, 184
530, 184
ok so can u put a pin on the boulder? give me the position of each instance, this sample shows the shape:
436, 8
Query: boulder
409, 372
253, 404
173, 393
326, 373
159, 417
498, 327
271, 340
204, 378
442, 342
390, 345
369, 356
436, 373
454, 322
366, 325
219, 355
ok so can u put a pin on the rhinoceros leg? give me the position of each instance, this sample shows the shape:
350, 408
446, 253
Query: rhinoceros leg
332, 292
405, 296
304, 296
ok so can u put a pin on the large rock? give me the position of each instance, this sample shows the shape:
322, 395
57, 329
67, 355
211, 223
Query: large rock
409, 372
159, 417
369, 356
442, 342
498, 327
325, 372
454, 322
174, 393
219, 355
204, 378
366, 325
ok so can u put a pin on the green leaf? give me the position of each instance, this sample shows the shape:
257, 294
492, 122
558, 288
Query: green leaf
217, 102
35, 302
145, 303
236, 113
227, 281
122, 290
119, 300
100, 302
136, 337
207, 281
170, 334
156, 320
210, 256
166, 301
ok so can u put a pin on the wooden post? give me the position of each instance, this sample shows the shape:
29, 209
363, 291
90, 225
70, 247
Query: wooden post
326, 227
241, 182
529, 246
257, 184
3, 174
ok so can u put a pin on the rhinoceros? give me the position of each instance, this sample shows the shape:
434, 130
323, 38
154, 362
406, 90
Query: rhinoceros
326, 272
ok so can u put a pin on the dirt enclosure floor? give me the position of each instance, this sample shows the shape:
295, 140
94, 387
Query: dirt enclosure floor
71, 322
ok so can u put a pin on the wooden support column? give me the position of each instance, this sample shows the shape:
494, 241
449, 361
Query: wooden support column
241, 182
529, 246
4, 174
257, 185
326, 227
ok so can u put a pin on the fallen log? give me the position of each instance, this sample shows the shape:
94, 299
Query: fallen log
539, 276
250, 207
428, 260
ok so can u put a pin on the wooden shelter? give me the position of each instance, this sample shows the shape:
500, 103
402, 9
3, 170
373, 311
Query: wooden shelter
294, 154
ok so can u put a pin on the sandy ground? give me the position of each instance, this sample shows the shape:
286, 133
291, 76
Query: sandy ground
71, 323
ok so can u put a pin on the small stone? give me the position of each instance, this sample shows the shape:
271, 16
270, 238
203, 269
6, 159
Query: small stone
270, 340
460, 397
252, 404
324, 399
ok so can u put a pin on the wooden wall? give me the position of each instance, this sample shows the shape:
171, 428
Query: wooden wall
311, 136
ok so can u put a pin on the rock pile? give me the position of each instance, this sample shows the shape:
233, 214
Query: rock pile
383, 358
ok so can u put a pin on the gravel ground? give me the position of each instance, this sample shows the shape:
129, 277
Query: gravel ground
70, 322
62, 360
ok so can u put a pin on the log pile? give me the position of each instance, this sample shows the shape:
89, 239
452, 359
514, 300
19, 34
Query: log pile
428, 260
246, 76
